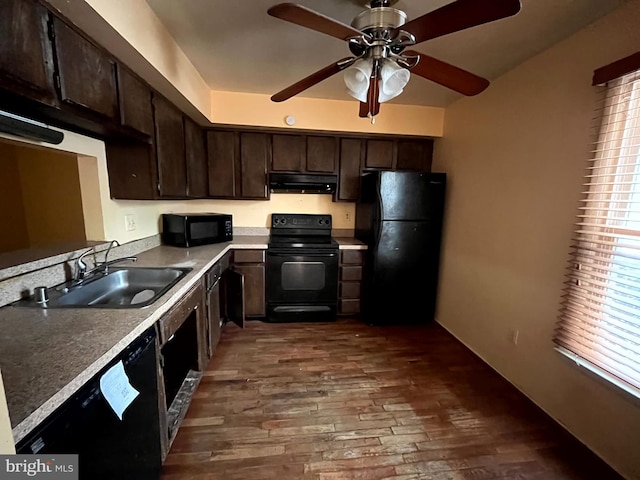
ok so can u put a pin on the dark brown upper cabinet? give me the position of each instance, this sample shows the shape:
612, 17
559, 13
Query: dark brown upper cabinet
255, 149
222, 152
26, 53
399, 154
87, 74
134, 96
322, 154
414, 155
196, 158
238, 164
303, 154
289, 153
379, 154
170, 149
132, 169
349, 174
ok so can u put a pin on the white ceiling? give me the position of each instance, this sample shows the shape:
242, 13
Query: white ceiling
237, 46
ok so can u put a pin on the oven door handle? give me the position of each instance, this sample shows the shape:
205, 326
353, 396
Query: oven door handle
289, 253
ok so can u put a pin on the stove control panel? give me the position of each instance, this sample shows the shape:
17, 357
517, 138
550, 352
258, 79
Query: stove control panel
300, 221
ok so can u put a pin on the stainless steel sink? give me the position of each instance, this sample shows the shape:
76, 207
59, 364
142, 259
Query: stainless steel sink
122, 287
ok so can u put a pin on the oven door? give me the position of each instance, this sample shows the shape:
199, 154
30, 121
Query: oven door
301, 281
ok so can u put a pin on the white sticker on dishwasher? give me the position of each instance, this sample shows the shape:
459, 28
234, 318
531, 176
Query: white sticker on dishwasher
117, 390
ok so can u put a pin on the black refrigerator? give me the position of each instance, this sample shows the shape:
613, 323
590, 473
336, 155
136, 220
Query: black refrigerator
399, 216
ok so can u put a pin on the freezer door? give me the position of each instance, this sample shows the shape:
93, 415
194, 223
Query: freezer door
403, 283
411, 196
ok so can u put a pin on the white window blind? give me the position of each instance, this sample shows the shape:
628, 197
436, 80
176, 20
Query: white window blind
599, 323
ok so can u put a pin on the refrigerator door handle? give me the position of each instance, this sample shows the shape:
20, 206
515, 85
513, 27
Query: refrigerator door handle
377, 221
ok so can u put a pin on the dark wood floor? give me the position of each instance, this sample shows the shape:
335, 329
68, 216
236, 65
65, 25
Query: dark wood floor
347, 401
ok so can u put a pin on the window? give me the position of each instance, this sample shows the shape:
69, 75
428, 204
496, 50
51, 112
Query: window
599, 325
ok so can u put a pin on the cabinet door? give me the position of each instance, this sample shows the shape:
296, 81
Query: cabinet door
172, 171
214, 323
26, 54
414, 155
136, 111
196, 158
254, 289
379, 154
235, 302
254, 162
87, 74
221, 161
288, 153
349, 177
132, 170
321, 154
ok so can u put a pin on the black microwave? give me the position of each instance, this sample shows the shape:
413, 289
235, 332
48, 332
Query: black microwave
193, 229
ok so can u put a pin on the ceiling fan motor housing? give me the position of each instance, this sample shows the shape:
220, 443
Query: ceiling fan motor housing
379, 18
381, 23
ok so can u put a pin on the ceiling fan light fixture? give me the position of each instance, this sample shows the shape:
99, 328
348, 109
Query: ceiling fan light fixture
393, 79
356, 78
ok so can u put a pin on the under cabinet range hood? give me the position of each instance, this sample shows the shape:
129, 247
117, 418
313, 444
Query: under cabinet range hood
302, 183
30, 129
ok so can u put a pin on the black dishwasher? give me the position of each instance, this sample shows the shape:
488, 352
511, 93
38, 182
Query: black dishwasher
107, 447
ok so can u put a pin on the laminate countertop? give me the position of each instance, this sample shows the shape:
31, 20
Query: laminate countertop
46, 355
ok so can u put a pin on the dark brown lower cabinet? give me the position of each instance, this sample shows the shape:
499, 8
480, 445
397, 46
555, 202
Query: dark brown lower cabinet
213, 281
251, 265
350, 284
183, 358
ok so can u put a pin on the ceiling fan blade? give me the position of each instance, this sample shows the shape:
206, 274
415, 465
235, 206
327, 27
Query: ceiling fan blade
374, 92
364, 110
312, 79
372, 106
306, 17
459, 15
447, 75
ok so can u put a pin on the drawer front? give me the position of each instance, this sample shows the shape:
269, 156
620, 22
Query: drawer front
249, 256
350, 289
352, 257
349, 306
213, 275
351, 273
179, 313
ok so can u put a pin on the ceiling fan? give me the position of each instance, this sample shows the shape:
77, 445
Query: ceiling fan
378, 39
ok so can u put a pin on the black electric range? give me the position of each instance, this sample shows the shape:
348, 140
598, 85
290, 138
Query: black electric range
302, 269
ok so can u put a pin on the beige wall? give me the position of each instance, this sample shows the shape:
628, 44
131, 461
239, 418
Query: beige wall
6, 437
320, 114
16, 235
515, 159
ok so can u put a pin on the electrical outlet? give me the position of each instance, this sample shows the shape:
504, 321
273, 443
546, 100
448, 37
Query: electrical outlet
514, 336
129, 222
347, 216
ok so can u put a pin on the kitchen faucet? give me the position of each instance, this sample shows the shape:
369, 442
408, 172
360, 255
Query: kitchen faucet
81, 266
